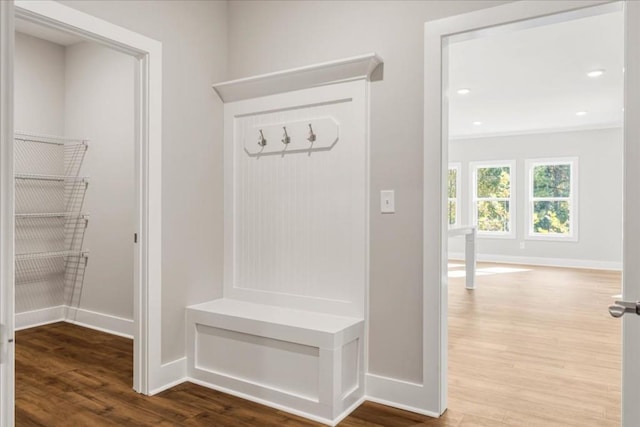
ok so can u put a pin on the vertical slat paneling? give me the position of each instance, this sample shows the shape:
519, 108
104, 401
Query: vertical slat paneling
299, 217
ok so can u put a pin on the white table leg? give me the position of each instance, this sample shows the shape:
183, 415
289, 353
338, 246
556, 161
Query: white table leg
470, 259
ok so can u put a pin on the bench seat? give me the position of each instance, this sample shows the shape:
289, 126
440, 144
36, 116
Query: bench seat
303, 362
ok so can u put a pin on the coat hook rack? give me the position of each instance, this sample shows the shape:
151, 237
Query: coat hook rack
262, 140
285, 138
312, 136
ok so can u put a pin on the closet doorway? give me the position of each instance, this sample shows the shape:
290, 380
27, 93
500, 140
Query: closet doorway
60, 166
74, 196
74, 204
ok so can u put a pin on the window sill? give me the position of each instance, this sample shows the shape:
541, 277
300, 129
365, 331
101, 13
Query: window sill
490, 235
552, 238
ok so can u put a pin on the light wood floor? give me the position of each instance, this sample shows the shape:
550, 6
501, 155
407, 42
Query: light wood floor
534, 347
526, 348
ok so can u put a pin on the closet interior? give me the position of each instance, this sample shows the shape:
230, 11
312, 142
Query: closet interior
74, 181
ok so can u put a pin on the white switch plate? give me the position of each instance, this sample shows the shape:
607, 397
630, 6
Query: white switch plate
387, 201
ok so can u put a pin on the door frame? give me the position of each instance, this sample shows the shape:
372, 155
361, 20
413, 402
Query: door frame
148, 169
6, 216
435, 230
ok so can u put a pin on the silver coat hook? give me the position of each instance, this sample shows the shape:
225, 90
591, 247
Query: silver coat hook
285, 137
262, 140
312, 136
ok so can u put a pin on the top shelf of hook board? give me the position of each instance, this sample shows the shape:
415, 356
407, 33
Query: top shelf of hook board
354, 68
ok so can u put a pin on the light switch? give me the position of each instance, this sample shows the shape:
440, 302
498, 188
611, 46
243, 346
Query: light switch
387, 201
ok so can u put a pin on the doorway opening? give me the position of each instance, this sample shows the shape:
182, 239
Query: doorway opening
535, 180
74, 161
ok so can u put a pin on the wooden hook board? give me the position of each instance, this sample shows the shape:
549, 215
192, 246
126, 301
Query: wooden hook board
326, 129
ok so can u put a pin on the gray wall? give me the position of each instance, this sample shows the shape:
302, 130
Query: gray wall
39, 86
194, 42
599, 155
275, 35
270, 36
100, 107
39, 108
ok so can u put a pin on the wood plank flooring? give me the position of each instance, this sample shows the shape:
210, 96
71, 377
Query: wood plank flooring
534, 346
529, 347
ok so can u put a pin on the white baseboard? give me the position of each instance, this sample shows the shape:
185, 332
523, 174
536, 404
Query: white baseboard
349, 410
264, 402
398, 394
100, 322
30, 319
543, 262
171, 374
89, 319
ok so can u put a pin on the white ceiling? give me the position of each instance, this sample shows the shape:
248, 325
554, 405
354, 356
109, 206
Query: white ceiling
46, 33
535, 79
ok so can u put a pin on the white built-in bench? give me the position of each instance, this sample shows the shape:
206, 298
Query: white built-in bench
289, 331
301, 361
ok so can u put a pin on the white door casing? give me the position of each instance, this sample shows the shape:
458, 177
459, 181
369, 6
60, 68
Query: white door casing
437, 35
6, 216
148, 373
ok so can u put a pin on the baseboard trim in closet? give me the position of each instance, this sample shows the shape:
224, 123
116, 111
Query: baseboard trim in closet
100, 322
44, 316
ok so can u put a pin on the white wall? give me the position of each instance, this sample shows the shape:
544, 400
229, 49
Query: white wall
275, 35
39, 86
600, 158
100, 107
194, 53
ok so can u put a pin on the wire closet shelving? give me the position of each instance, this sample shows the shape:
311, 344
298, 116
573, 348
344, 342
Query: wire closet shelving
50, 223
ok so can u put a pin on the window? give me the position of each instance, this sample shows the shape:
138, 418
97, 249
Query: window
453, 190
552, 211
493, 205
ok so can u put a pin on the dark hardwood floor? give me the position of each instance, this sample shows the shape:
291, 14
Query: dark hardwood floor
67, 375
530, 347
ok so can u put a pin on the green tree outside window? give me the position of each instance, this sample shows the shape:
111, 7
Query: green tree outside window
452, 190
551, 201
493, 194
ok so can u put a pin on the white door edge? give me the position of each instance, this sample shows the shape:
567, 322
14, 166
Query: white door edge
6, 215
631, 219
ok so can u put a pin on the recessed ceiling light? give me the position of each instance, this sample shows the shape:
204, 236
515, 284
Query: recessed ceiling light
464, 91
595, 73
477, 123
581, 113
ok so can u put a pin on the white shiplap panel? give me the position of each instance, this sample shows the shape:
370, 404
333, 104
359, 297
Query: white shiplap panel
299, 219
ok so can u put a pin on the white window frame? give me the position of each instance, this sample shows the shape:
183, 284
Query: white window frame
473, 169
572, 199
458, 168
